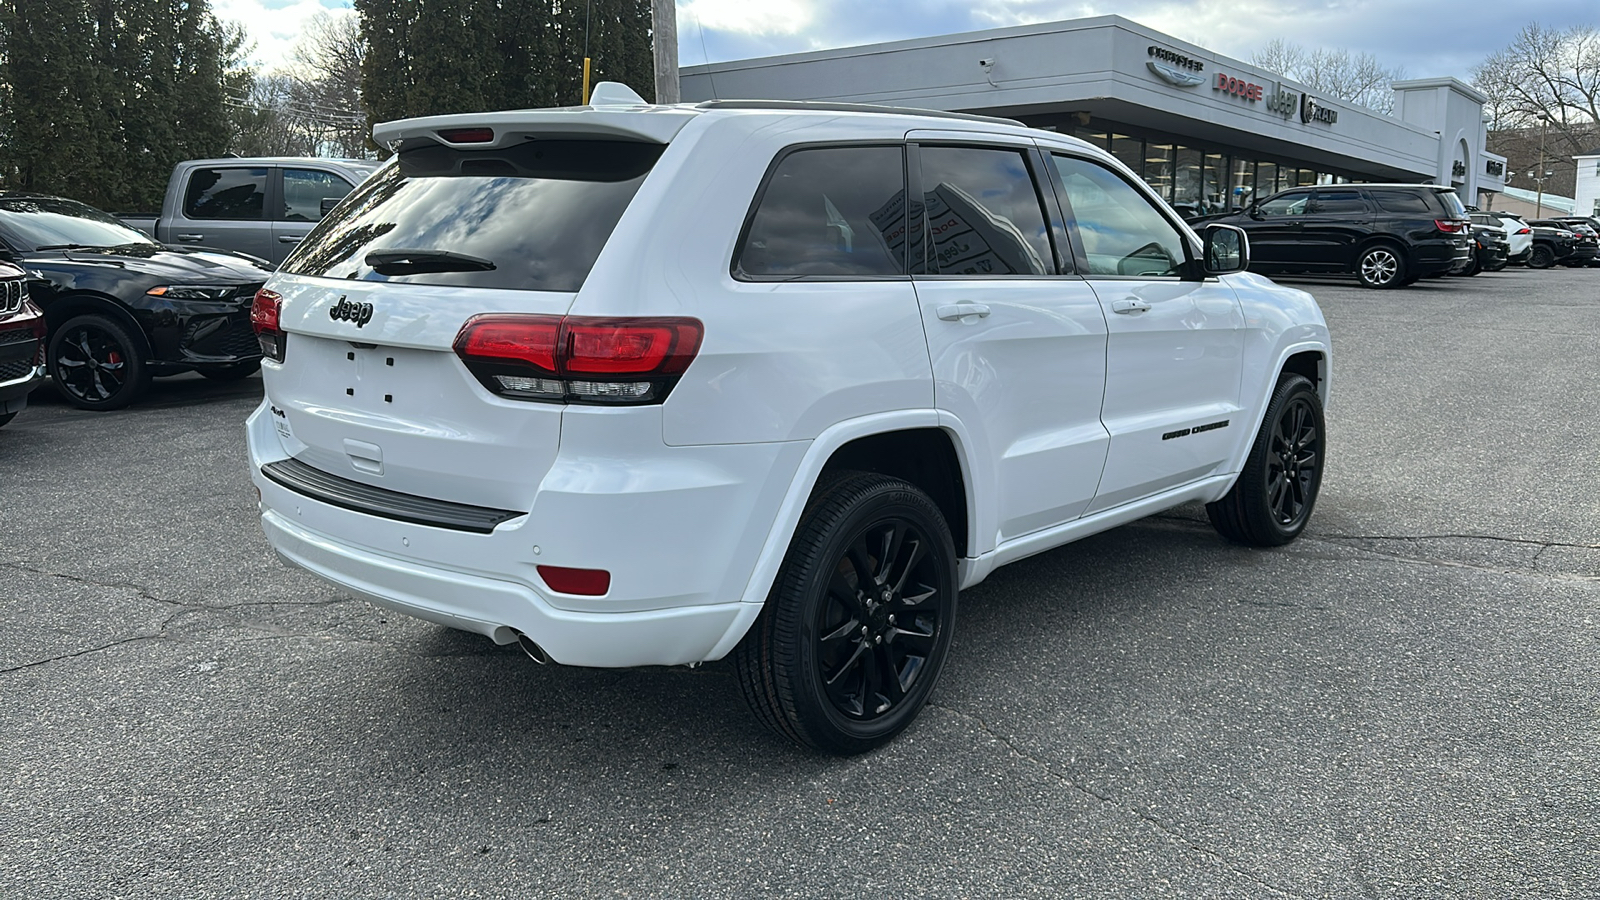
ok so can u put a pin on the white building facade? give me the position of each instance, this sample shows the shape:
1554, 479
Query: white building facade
1209, 132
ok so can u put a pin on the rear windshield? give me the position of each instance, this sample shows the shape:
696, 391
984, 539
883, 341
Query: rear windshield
531, 217
1452, 203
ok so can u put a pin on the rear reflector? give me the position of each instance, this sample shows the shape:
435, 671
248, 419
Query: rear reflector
264, 312
584, 582
467, 135
526, 357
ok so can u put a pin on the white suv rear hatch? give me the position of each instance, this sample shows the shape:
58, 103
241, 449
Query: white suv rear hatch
372, 303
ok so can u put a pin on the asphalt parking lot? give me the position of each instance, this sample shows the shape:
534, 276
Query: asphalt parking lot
1405, 703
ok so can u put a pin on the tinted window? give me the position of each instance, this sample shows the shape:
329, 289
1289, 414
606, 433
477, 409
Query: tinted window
226, 194
1452, 203
1410, 202
538, 212
33, 222
1335, 203
983, 212
1122, 233
1286, 204
830, 211
305, 189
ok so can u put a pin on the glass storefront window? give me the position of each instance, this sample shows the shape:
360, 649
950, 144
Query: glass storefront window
1214, 184
1266, 180
1306, 178
1158, 160
1241, 183
1129, 151
1186, 189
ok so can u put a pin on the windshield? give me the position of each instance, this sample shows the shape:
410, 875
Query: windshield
29, 223
528, 217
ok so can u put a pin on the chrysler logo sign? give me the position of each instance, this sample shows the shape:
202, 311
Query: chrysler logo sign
1175, 68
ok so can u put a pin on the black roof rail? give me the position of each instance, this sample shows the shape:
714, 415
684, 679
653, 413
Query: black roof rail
824, 106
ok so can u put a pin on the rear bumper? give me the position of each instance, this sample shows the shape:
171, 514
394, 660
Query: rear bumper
671, 525
499, 609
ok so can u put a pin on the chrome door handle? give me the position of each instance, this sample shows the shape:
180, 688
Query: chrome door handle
961, 312
189, 238
290, 238
1129, 305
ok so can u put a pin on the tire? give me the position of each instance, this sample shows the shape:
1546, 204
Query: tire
1542, 258
1471, 270
1495, 267
1381, 266
96, 364
232, 372
5, 418
806, 667
1272, 501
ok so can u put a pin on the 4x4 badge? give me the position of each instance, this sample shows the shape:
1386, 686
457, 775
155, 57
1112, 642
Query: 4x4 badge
344, 310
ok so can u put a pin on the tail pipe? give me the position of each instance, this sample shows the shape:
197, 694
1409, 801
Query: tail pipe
534, 651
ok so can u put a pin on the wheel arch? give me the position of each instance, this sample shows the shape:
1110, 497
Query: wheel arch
865, 440
68, 306
1310, 359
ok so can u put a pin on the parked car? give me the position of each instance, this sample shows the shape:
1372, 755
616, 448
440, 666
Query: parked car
1490, 246
1388, 235
259, 206
22, 332
122, 308
1519, 237
1552, 243
1585, 241
701, 381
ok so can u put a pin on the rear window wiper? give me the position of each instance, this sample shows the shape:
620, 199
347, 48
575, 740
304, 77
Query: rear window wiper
416, 262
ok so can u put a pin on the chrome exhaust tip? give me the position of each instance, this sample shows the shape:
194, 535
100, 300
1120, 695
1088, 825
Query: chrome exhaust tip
534, 651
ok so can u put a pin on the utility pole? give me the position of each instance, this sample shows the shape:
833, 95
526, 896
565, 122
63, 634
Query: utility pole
664, 35
1544, 129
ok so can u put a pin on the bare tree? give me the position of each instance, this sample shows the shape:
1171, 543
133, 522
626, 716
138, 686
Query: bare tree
1547, 80
1358, 78
311, 106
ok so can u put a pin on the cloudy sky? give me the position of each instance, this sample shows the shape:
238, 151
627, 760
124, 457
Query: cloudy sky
1428, 37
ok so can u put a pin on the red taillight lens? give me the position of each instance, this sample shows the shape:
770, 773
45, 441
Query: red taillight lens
579, 359
1450, 226
529, 340
586, 582
264, 311
467, 135
1525, 231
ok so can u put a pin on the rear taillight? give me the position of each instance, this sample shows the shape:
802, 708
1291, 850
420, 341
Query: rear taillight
1525, 231
1450, 226
264, 311
579, 359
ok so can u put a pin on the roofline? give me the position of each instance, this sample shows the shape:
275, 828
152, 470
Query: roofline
826, 106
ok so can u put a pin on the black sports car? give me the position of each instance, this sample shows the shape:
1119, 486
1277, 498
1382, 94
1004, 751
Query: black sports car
121, 307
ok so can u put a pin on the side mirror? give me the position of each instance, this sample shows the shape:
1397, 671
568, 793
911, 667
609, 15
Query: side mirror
1226, 249
328, 203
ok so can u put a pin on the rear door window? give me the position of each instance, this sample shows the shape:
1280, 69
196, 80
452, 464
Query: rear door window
1339, 203
226, 193
532, 217
984, 213
829, 212
1291, 204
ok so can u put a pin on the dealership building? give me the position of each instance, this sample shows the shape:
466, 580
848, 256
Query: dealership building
1208, 132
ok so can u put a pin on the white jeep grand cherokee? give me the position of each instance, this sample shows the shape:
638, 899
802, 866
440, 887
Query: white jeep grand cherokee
646, 385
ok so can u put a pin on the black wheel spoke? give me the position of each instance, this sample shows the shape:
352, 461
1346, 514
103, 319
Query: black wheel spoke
851, 626
914, 555
840, 590
862, 564
890, 688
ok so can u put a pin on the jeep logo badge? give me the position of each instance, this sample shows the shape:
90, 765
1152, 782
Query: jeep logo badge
344, 310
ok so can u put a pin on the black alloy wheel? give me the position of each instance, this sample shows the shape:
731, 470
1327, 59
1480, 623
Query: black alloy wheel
1271, 502
859, 621
1543, 257
231, 372
96, 365
1381, 266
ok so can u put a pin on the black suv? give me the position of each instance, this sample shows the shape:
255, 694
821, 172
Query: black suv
1386, 234
1585, 240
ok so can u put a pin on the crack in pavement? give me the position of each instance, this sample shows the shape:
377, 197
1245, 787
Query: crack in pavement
77, 653
1160, 826
145, 594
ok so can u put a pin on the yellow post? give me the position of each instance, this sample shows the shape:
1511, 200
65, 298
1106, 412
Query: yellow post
586, 81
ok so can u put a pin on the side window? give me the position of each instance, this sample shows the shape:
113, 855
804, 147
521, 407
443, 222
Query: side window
830, 211
1121, 232
305, 189
1401, 202
226, 194
984, 214
1336, 203
1293, 204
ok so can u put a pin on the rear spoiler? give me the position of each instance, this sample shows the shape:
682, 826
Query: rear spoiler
614, 112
